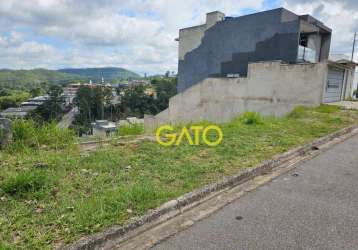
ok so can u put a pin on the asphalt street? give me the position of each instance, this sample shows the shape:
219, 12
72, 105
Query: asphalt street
314, 206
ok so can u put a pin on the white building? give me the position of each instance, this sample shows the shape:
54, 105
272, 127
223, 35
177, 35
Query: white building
103, 128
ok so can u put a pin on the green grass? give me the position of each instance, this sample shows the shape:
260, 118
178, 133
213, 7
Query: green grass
133, 129
250, 118
28, 136
328, 109
25, 183
86, 193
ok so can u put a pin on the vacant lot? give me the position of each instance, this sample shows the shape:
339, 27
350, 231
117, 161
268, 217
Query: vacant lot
49, 197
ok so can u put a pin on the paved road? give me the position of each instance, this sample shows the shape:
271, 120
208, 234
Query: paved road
314, 206
67, 119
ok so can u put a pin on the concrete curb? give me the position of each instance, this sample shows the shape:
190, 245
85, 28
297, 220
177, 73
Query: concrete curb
98, 241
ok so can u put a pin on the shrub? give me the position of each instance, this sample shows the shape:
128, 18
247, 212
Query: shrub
24, 183
23, 131
250, 118
54, 137
13, 100
133, 129
26, 134
297, 112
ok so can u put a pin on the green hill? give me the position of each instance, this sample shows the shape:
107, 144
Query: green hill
27, 79
109, 73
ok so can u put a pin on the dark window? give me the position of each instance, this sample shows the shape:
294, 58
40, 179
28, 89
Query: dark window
303, 40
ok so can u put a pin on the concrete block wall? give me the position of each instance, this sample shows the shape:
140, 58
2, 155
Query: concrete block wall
225, 46
271, 88
349, 79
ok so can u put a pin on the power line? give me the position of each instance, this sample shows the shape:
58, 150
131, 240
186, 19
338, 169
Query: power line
354, 45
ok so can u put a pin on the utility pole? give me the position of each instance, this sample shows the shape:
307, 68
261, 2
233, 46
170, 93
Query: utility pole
354, 45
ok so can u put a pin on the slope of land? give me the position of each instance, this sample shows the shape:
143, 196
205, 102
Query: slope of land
52, 194
27, 79
109, 73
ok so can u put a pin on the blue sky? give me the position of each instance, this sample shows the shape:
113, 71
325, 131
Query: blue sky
134, 34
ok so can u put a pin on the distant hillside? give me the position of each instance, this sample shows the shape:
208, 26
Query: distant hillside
109, 74
27, 79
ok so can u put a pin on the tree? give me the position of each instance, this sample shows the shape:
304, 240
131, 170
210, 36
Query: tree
102, 96
165, 88
92, 103
56, 101
83, 101
135, 102
51, 109
36, 92
5, 92
13, 100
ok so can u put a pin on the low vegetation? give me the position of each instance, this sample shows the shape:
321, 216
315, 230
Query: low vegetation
251, 118
95, 103
132, 129
30, 79
29, 136
25, 184
13, 99
52, 194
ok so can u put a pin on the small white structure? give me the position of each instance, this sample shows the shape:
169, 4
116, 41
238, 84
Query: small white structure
130, 121
103, 128
135, 120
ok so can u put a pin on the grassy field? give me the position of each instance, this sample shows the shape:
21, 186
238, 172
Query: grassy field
52, 195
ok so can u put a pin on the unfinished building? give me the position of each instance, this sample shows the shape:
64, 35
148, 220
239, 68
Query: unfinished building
267, 62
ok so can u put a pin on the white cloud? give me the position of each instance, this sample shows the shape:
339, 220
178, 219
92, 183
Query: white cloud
340, 16
136, 34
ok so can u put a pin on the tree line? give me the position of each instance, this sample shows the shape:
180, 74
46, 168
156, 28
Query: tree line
96, 103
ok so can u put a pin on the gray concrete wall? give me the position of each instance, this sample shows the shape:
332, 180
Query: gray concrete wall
228, 46
190, 38
5, 133
271, 88
355, 83
349, 81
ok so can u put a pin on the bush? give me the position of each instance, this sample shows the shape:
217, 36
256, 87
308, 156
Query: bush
13, 100
26, 134
297, 112
133, 129
250, 118
24, 183
24, 131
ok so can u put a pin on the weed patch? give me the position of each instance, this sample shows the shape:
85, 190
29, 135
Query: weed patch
327, 109
297, 112
27, 135
250, 118
77, 195
22, 184
133, 129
